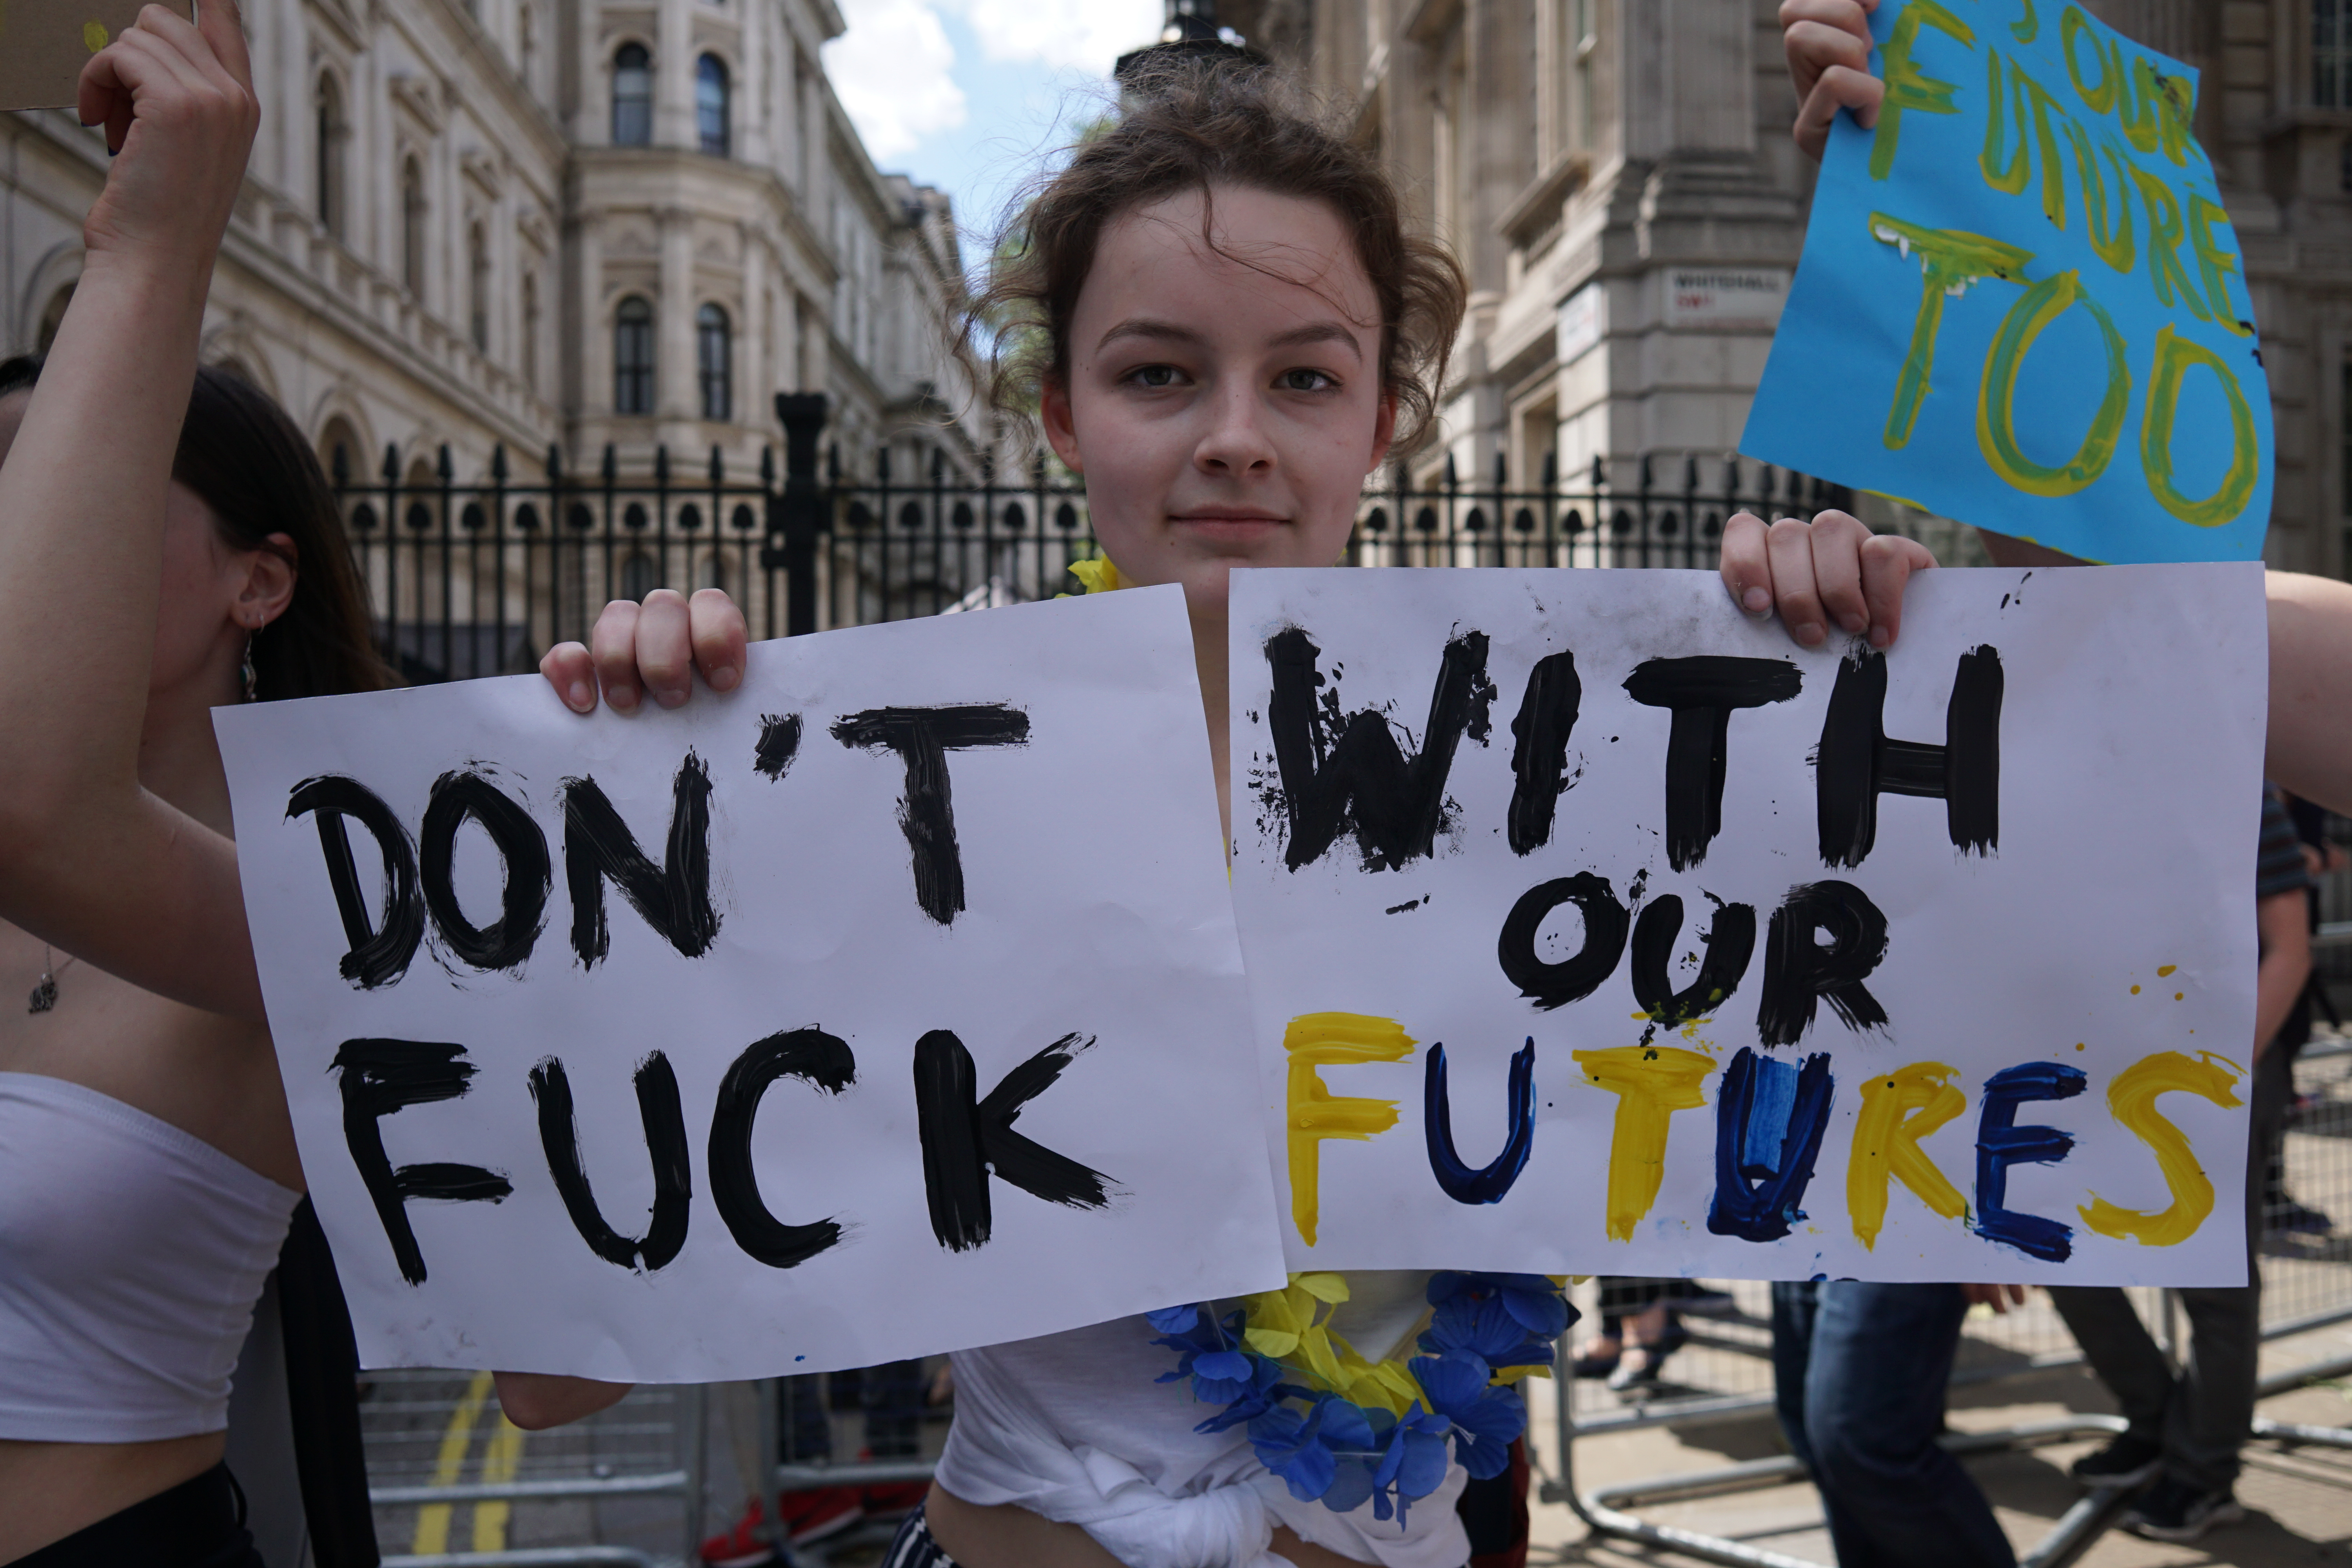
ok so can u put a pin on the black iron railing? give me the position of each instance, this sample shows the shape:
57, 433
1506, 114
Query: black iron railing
479, 577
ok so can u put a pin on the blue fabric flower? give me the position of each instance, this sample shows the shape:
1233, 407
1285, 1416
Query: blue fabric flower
1174, 1319
1488, 1327
1537, 1303
1289, 1443
1414, 1465
1486, 1420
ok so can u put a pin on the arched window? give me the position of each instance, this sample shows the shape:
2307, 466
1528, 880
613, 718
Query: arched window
633, 96
710, 105
478, 290
714, 358
53, 316
411, 226
328, 177
632, 357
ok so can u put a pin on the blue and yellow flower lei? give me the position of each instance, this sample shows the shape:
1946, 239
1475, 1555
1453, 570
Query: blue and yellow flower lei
1343, 1430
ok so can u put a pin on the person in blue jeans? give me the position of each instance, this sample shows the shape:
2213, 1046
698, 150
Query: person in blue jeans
1859, 1373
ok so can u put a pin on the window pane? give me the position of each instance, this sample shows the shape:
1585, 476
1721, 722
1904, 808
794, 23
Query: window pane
710, 103
633, 97
714, 355
633, 358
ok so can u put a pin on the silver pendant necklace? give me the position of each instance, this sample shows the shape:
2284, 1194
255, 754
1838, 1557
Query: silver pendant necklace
45, 995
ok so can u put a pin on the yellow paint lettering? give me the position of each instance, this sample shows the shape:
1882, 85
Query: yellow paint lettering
2215, 263
1907, 88
2072, 26
2165, 233
1949, 260
2042, 304
2028, 29
1651, 1082
2112, 241
2029, 99
2140, 106
1898, 1109
2175, 110
2174, 357
2132, 1099
1315, 1040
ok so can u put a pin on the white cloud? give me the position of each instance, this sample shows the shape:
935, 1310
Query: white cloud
892, 70
1074, 35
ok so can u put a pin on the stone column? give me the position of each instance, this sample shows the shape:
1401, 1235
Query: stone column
674, 76
676, 395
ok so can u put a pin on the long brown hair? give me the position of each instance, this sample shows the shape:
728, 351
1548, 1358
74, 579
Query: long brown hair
1194, 124
243, 457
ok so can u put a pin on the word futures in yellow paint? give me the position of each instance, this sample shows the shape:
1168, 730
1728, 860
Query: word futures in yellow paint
2132, 1098
94, 36
1898, 1109
1315, 1040
1651, 1082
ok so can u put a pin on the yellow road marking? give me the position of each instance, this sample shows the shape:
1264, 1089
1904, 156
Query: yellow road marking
457, 1442
500, 1463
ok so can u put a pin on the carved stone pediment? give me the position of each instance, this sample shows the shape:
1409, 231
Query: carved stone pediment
420, 97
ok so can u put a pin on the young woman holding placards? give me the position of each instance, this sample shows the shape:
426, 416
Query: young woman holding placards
1226, 326
1226, 323
171, 553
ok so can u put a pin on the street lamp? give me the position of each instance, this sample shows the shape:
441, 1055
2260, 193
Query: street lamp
1192, 33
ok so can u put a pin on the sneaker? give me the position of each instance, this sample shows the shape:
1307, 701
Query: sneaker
2126, 1461
813, 1516
2175, 1510
741, 1547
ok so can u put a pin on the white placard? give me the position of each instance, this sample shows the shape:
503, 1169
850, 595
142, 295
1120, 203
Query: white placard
1595, 929
914, 957
1725, 295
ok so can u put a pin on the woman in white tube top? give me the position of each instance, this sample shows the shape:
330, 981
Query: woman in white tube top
147, 1167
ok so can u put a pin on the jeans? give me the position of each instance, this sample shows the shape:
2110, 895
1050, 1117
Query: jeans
2200, 1419
1859, 1373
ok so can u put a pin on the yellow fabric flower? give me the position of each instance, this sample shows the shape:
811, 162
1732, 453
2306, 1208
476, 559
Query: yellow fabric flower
1099, 577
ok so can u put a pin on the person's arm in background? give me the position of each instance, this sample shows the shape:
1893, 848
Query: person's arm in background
2310, 748
2286, 962
535, 1401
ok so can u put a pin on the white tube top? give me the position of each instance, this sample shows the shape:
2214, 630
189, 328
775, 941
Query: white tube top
130, 1256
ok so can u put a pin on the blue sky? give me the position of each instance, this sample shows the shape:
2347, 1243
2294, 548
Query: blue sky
969, 95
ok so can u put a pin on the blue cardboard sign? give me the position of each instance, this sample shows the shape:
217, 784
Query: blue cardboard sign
2021, 303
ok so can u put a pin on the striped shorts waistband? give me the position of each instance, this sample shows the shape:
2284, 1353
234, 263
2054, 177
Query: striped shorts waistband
913, 1547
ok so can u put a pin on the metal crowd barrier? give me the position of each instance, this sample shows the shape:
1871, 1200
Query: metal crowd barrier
1725, 1371
449, 1474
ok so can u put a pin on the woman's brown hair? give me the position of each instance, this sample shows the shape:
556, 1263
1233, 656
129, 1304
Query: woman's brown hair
242, 454
1194, 124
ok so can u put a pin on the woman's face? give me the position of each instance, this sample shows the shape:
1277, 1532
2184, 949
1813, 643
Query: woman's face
1223, 402
207, 589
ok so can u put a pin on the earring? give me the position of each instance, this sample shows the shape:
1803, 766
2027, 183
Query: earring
251, 676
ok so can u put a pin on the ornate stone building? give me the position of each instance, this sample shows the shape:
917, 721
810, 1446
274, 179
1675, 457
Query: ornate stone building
548, 222
1618, 177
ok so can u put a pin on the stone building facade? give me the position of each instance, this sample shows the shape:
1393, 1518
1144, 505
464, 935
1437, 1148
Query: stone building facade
1618, 178
539, 223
